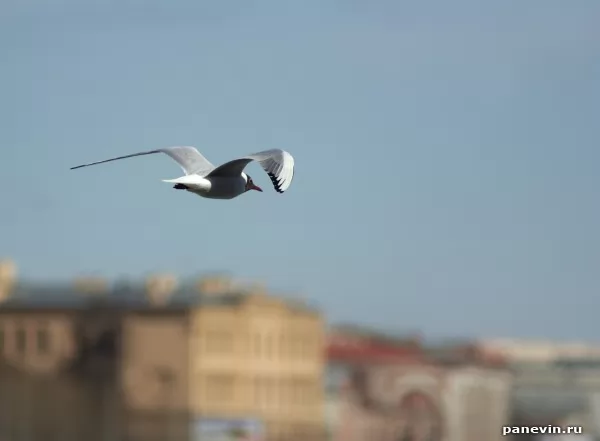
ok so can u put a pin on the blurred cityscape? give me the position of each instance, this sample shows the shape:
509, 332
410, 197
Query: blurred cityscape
216, 360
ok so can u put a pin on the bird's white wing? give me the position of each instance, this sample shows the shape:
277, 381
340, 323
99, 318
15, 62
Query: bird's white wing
278, 164
188, 158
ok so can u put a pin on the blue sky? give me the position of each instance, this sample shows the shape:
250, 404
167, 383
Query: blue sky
446, 152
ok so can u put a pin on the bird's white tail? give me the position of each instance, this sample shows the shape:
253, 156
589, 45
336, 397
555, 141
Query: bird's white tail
194, 182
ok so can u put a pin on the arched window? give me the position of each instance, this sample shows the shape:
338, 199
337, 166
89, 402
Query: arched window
420, 418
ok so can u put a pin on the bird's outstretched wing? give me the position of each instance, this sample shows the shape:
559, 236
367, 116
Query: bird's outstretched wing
188, 158
278, 164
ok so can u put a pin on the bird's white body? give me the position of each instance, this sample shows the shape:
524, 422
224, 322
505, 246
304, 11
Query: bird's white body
213, 187
226, 181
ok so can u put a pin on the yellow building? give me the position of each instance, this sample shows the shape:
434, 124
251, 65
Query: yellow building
238, 356
181, 359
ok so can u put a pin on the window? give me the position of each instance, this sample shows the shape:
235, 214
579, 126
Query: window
306, 352
258, 392
289, 394
296, 395
268, 346
21, 340
282, 347
272, 392
281, 394
2, 337
43, 340
312, 347
303, 392
220, 388
218, 342
297, 347
307, 393
246, 344
258, 345
265, 392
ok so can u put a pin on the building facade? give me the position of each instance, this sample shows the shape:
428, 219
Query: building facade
554, 382
398, 391
157, 363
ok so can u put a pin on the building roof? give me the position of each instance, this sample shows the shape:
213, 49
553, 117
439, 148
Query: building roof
464, 352
356, 344
366, 333
122, 295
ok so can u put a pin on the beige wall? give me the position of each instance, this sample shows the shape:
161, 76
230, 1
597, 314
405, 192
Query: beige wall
44, 393
259, 359
37, 342
477, 402
154, 366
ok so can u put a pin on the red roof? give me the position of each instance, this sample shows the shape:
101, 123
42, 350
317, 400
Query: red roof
357, 351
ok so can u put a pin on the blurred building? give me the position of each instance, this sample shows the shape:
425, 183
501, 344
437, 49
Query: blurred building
158, 362
538, 351
385, 389
354, 354
477, 392
554, 383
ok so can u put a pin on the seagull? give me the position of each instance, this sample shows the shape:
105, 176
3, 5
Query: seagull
226, 181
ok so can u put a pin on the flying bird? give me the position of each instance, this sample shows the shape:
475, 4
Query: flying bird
226, 181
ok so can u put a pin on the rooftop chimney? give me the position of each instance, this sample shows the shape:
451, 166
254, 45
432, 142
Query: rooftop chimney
160, 288
8, 277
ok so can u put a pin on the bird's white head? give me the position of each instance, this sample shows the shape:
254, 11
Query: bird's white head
250, 185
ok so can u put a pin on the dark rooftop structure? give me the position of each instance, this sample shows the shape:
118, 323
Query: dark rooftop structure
130, 295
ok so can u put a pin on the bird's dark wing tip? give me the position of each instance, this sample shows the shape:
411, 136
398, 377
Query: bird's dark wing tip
275, 182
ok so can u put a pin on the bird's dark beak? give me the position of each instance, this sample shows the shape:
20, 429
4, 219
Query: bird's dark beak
252, 186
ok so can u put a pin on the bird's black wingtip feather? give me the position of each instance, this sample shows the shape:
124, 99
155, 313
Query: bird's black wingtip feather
275, 182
